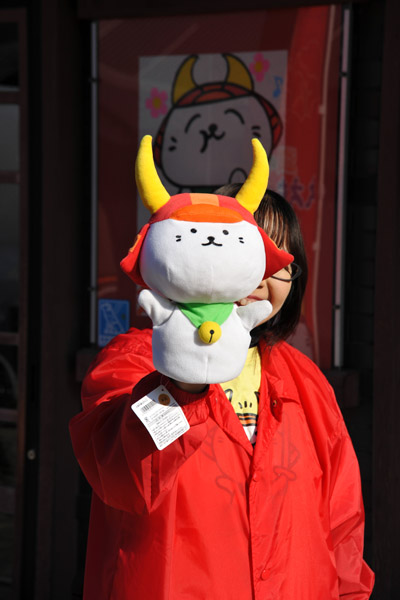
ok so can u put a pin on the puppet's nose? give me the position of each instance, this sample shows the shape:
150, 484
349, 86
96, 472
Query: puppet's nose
211, 241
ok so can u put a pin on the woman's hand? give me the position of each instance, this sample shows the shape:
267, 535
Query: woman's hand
193, 388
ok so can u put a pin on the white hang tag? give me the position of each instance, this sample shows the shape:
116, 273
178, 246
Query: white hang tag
162, 416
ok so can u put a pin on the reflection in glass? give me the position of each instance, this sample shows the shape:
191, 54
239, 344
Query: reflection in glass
6, 555
8, 377
9, 137
9, 77
9, 256
8, 454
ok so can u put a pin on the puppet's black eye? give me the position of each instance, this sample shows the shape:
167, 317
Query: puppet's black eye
225, 232
178, 238
193, 230
241, 240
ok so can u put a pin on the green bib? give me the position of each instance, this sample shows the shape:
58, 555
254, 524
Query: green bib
198, 313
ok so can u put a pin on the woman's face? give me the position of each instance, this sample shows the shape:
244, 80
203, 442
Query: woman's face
274, 290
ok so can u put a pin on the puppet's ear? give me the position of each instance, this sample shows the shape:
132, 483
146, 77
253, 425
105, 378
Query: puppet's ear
276, 259
130, 264
151, 190
252, 191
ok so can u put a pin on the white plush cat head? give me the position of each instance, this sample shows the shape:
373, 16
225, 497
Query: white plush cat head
202, 247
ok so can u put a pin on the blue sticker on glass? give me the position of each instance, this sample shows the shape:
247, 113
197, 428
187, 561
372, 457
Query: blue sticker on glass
113, 318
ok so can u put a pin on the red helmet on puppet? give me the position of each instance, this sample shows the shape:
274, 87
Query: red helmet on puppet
201, 208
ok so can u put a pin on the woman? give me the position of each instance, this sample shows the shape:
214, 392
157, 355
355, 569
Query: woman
264, 506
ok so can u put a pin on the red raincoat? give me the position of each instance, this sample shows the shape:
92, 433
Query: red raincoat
208, 517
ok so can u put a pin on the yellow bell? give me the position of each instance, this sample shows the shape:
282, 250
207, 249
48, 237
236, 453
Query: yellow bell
209, 332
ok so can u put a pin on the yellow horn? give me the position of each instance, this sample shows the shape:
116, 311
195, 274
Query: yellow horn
184, 81
238, 72
151, 190
252, 191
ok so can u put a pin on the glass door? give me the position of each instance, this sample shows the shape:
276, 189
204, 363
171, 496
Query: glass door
13, 285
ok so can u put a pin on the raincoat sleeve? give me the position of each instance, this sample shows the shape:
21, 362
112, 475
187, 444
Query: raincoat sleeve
114, 450
356, 579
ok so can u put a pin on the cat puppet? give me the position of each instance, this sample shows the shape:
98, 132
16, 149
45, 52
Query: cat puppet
197, 256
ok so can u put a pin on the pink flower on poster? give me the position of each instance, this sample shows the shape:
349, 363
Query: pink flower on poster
259, 67
157, 103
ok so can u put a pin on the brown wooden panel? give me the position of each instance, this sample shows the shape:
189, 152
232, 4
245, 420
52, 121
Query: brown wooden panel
386, 492
108, 9
62, 94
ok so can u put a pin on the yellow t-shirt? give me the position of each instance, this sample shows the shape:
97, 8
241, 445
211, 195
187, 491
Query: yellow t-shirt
243, 393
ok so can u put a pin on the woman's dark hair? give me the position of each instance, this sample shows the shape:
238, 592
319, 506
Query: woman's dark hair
279, 221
